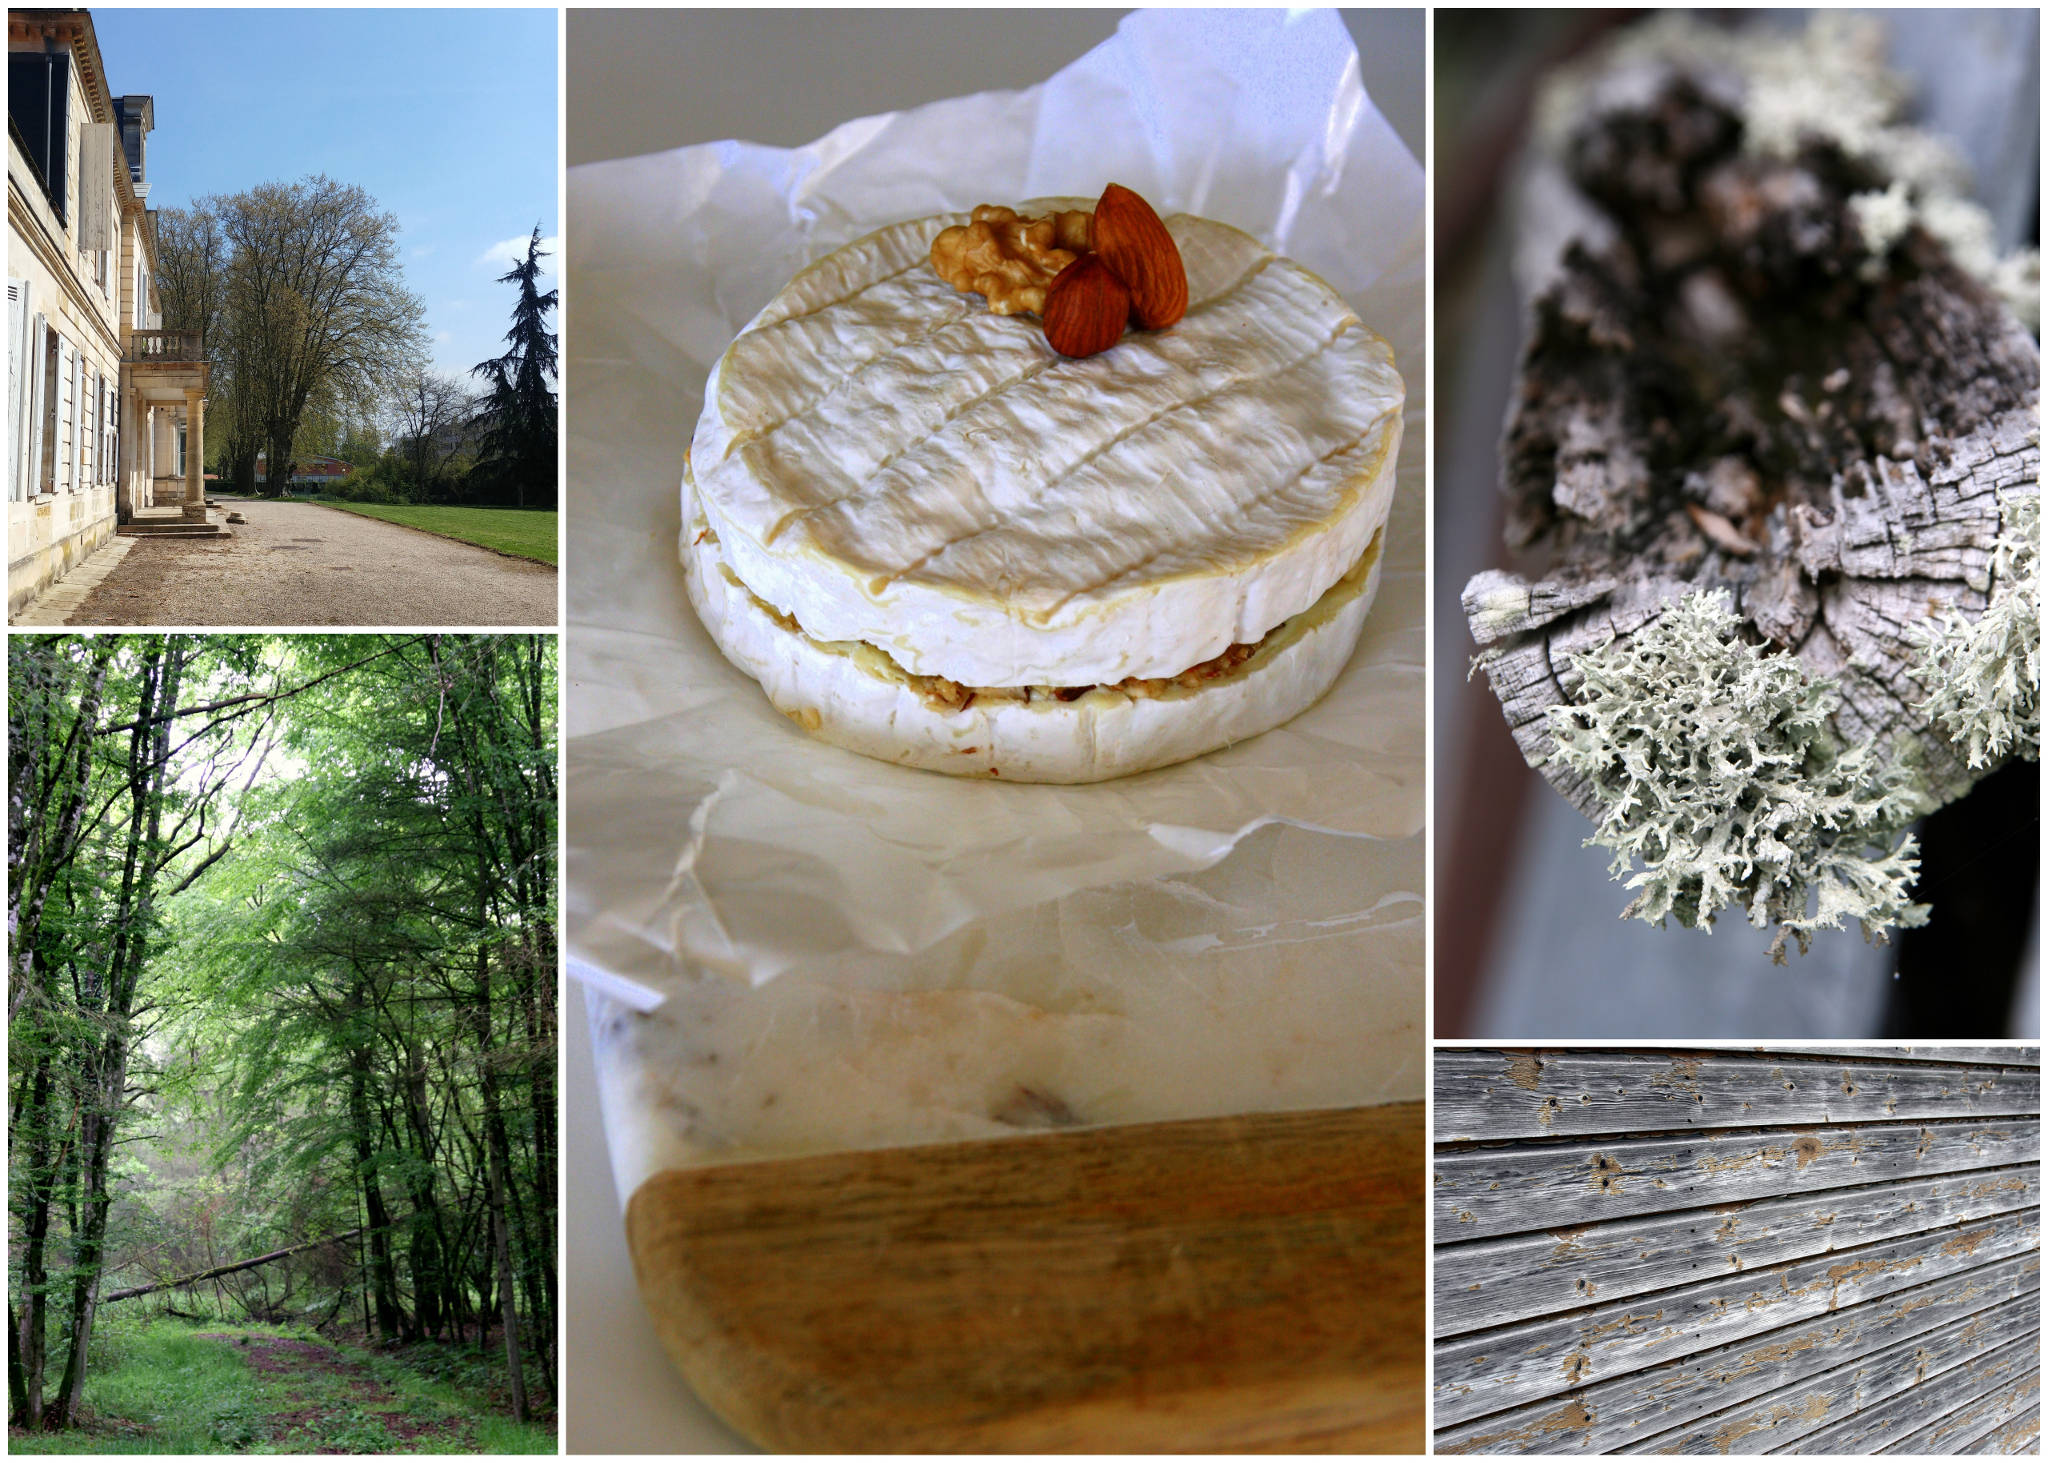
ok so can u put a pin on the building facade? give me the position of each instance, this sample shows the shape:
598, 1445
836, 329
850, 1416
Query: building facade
102, 401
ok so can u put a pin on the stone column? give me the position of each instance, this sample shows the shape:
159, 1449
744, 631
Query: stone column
163, 446
195, 456
125, 454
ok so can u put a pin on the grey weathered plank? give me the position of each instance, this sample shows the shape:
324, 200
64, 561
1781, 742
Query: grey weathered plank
1488, 1096
1776, 1421
2003, 1056
1493, 1191
1495, 1282
1887, 1424
2014, 1372
1494, 1370
1607, 1416
2021, 1435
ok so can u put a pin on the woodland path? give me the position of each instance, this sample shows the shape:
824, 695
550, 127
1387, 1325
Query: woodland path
301, 564
327, 1398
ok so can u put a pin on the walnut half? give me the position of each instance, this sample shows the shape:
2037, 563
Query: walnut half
1008, 257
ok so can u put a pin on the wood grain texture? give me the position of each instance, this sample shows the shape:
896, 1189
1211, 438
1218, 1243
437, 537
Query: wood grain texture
1491, 1096
2021, 1435
1500, 1281
1696, 1279
1238, 1284
1496, 1369
1609, 1416
1776, 1420
1696, 411
1508, 1190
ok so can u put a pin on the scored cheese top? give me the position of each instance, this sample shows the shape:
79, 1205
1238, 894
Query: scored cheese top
884, 460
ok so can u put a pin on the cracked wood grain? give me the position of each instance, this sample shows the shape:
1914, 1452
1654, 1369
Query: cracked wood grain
1487, 1096
1496, 1282
1608, 1416
1490, 1371
1717, 391
1781, 1420
1495, 1191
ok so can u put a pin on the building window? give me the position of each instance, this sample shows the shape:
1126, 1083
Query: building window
39, 110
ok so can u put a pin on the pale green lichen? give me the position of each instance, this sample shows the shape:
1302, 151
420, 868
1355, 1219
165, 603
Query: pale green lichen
1984, 675
1717, 768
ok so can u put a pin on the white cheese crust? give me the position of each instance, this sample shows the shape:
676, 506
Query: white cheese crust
885, 461
850, 696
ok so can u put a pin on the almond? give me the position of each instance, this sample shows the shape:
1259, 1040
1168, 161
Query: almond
1131, 240
1085, 308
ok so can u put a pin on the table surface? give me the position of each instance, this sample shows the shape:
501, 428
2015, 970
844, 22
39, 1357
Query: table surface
647, 80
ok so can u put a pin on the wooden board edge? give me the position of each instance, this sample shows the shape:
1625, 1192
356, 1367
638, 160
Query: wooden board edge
761, 1397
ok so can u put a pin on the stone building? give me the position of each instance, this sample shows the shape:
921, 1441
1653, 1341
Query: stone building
106, 409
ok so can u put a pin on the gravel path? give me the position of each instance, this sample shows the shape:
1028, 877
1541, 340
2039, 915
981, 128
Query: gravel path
301, 564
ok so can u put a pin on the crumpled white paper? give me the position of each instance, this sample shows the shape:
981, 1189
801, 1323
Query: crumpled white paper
707, 833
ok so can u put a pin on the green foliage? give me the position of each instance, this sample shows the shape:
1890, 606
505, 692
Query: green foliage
1718, 771
1984, 675
342, 965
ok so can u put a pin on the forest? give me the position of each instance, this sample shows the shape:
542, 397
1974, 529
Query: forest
282, 1043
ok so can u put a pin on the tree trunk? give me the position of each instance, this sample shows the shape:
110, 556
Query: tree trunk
219, 1270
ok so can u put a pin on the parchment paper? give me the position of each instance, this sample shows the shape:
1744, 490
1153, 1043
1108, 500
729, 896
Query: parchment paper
706, 833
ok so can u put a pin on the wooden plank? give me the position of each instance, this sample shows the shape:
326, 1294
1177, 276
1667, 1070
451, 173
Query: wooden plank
1494, 1191
2016, 1373
2002, 1056
1880, 1428
1495, 1282
1224, 1284
1777, 1420
1493, 1370
1609, 1416
1490, 1096
2021, 1435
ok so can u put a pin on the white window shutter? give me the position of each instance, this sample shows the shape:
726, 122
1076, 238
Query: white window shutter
17, 354
38, 389
96, 147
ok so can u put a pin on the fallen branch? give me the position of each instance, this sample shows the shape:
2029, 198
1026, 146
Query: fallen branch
219, 1270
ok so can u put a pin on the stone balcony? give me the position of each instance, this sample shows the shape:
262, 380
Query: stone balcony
166, 365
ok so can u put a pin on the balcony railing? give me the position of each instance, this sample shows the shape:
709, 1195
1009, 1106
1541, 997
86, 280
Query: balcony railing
165, 347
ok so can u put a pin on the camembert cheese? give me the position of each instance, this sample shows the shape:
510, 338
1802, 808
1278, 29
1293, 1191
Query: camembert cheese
935, 540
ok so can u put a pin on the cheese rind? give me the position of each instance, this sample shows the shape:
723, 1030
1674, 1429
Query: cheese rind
855, 698
887, 462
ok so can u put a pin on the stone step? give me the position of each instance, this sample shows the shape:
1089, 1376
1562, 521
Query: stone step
172, 530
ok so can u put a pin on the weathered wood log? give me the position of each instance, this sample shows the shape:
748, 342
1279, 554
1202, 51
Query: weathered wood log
1500, 1281
1509, 1190
1726, 386
1608, 1416
1494, 1095
219, 1270
1495, 1370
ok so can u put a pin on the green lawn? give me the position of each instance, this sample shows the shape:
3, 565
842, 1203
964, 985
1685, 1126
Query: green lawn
527, 532
160, 1386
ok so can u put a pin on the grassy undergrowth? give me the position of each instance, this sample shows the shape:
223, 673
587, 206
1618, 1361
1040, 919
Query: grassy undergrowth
163, 1386
526, 532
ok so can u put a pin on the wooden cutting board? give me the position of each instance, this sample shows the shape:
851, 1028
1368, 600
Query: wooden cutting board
1223, 1284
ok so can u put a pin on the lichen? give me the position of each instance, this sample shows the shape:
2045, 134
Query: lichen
1984, 675
1717, 768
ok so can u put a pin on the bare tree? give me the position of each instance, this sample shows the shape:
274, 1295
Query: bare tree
433, 412
316, 302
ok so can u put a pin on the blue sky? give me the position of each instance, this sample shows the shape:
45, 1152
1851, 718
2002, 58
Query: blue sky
447, 117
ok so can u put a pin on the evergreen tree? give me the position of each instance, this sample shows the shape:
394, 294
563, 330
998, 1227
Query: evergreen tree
518, 422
